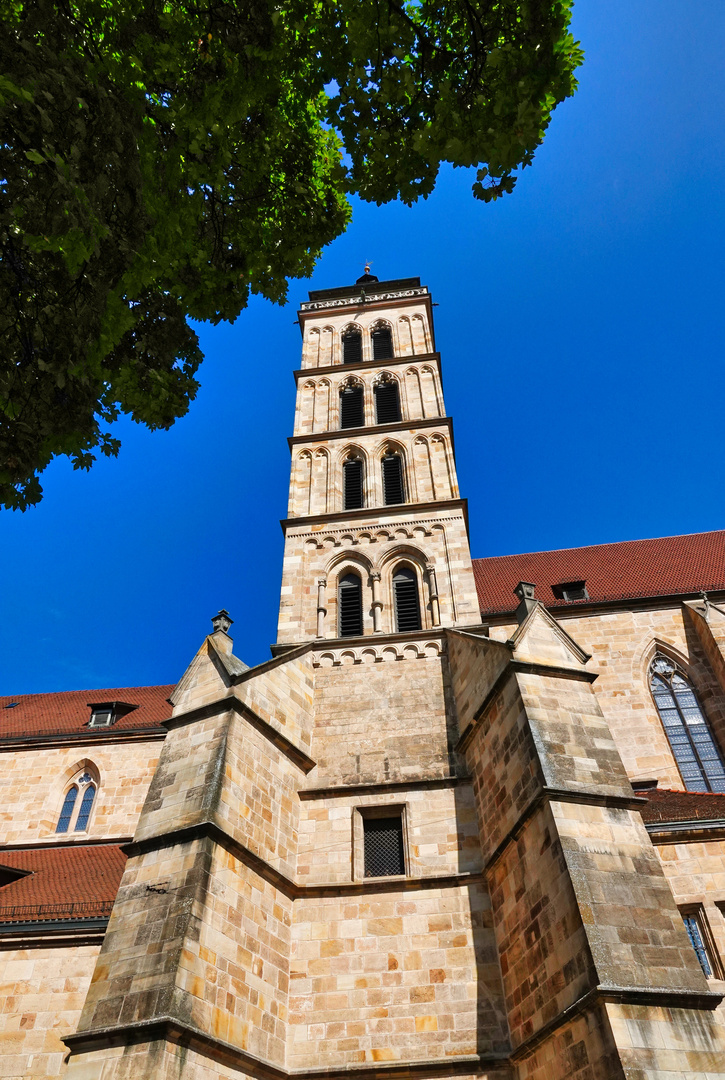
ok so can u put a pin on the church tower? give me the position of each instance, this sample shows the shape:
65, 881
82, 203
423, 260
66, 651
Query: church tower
376, 538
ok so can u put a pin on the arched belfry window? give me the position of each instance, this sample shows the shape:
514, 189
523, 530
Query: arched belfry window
349, 606
405, 598
387, 402
352, 484
382, 339
351, 407
696, 753
393, 480
352, 347
77, 805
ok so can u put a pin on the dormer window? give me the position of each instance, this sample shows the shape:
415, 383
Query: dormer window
105, 713
102, 717
570, 590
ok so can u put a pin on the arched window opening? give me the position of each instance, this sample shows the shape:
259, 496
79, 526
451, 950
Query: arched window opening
352, 347
693, 746
382, 340
349, 605
66, 812
351, 407
405, 595
392, 480
387, 403
85, 811
352, 484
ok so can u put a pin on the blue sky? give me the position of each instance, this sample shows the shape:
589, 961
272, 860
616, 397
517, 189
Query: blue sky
580, 322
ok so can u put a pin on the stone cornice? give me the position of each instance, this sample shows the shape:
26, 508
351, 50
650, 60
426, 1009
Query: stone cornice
601, 607
354, 433
181, 1033
383, 513
72, 738
52, 934
210, 830
621, 995
426, 783
368, 365
365, 301
231, 703
684, 832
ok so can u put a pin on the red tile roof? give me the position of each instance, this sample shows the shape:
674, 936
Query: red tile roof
633, 568
68, 713
664, 804
64, 882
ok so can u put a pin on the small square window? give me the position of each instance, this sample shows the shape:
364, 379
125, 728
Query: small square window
570, 590
702, 941
384, 851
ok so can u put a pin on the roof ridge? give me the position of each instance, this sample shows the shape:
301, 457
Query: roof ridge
91, 690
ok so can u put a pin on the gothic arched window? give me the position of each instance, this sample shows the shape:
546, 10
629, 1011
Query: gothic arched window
74, 816
405, 596
387, 402
349, 606
352, 347
351, 407
352, 484
393, 480
687, 730
382, 339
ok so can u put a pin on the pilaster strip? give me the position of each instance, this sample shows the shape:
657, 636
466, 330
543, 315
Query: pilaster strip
233, 704
549, 795
293, 890
169, 1029
526, 667
636, 995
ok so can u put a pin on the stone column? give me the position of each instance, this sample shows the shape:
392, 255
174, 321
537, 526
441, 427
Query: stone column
435, 608
321, 606
377, 602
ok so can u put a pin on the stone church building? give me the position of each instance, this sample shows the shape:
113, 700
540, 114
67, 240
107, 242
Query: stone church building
468, 820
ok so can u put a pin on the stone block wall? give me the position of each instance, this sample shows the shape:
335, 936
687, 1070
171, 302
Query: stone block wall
33, 783
42, 991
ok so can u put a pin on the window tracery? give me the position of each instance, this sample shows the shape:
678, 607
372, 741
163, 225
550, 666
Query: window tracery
696, 753
75, 812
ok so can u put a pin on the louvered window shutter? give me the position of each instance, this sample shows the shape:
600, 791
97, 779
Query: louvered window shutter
387, 404
392, 480
351, 407
384, 855
352, 348
382, 343
349, 603
352, 476
405, 590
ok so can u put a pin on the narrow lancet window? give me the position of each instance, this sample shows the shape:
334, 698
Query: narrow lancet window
85, 811
352, 483
695, 750
349, 603
405, 594
352, 347
392, 480
382, 340
67, 809
387, 403
351, 407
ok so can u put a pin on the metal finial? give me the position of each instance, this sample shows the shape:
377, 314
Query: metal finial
222, 621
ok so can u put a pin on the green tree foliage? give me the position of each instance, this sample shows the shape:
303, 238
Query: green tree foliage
161, 160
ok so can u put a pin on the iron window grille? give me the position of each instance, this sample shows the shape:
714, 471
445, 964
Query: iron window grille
349, 604
687, 730
387, 403
352, 347
382, 340
405, 594
352, 484
392, 480
383, 846
698, 931
351, 407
